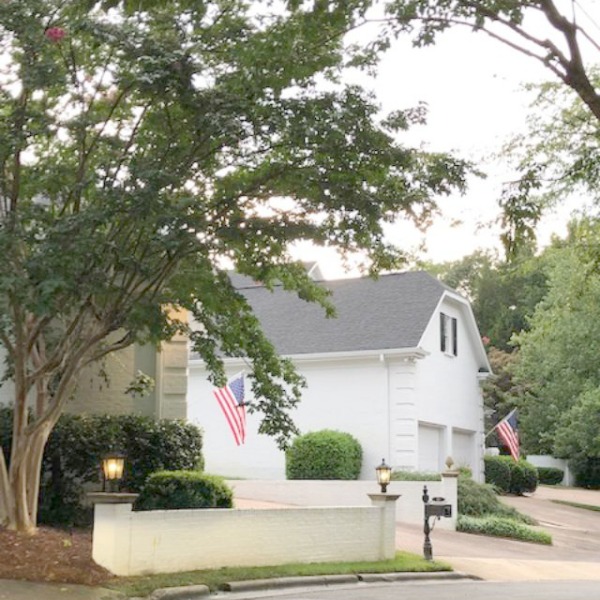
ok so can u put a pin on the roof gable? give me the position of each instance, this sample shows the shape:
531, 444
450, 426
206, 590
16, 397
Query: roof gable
391, 312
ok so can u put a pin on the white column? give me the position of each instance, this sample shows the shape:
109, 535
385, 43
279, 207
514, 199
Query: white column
387, 504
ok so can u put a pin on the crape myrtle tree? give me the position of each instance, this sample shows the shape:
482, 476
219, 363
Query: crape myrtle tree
143, 146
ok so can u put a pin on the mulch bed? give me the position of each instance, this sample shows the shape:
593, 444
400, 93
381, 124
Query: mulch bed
55, 555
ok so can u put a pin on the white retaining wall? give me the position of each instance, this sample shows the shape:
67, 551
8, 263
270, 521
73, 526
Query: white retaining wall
544, 460
409, 507
137, 543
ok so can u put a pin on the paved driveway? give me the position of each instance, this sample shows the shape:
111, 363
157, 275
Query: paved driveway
575, 553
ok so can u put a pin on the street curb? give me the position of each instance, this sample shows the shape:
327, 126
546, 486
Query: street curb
435, 576
187, 592
283, 582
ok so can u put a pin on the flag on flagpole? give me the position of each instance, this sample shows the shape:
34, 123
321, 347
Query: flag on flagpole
508, 433
231, 400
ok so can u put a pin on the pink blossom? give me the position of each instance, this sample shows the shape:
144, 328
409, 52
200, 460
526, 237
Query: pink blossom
486, 340
55, 34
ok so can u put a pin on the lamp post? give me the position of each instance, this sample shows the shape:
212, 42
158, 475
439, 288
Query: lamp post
427, 549
384, 475
112, 470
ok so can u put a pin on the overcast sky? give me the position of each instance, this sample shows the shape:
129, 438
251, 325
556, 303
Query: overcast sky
473, 86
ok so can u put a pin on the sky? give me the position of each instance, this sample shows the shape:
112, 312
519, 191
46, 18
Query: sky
473, 86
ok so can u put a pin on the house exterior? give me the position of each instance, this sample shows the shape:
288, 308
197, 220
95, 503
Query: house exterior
97, 394
400, 368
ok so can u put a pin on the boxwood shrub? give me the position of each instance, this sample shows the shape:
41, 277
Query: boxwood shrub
184, 489
550, 475
324, 454
497, 472
510, 476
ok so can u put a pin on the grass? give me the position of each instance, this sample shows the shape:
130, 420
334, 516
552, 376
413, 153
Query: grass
502, 527
215, 578
578, 505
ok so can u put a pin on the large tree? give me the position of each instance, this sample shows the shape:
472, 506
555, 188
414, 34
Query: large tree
146, 146
558, 356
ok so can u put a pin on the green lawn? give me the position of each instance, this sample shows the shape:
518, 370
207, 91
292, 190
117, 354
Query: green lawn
144, 585
578, 505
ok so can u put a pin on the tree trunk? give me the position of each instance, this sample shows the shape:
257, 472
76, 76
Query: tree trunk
21, 494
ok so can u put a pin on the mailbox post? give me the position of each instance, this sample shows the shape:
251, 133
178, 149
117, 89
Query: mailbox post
436, 509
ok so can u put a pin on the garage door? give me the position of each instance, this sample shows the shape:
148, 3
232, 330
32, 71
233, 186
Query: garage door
430, 448
463, 448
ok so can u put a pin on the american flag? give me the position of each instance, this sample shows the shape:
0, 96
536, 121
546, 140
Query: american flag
508, 433
231, 400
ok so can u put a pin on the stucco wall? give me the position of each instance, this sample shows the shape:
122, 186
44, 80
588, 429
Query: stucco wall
136, 543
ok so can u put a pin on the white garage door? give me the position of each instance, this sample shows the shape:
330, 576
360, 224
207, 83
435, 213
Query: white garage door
430, 448
463, 449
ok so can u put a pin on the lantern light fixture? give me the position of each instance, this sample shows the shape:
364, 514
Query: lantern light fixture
112, 469
384, 475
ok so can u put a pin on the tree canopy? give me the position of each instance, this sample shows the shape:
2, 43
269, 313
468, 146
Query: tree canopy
146, 147
558, 356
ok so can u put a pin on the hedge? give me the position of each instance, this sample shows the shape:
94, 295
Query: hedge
77, 444
166, 490
510, 476
324, 454
550, 475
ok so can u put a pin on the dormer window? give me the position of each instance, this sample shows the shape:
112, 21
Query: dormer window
448, 335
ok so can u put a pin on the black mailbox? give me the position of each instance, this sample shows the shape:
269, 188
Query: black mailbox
438, 510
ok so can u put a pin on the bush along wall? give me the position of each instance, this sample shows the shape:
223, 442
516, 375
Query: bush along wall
510, 476
184, 489
550, 475
78, 443
324, 454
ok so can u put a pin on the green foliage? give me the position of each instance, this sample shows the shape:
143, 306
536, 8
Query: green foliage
550, 475
497, 472
502, 527
587, 472
557, 359
166, 490
324, 454
78, 443
510, 476
523, 478
481, 500
415, 476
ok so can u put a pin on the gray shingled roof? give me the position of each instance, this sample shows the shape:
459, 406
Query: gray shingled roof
388, 313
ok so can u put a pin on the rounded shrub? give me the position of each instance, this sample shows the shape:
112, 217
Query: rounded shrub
523, 478
324, 454
166, 490
498, 471
550, 475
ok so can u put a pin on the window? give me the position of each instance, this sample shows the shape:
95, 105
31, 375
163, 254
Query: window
448, 334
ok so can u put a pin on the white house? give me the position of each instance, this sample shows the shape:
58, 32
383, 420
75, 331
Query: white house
400, 368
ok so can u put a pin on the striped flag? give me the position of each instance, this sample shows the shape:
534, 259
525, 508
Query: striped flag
509, 434
231, 400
